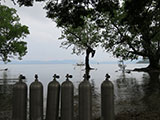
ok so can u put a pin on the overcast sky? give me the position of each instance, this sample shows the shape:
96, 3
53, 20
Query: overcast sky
42, 42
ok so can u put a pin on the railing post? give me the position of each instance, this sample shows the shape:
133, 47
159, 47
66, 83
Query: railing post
53, 99
36, 100
67, 99
85, 98
20, 100
107, 99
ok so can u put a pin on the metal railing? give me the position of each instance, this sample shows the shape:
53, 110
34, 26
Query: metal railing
61, 95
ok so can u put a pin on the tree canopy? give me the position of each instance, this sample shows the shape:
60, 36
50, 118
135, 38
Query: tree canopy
131, 28
82, 39
136, 26
11, 33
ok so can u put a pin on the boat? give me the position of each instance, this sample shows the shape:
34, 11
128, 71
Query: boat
4, 69
80, 64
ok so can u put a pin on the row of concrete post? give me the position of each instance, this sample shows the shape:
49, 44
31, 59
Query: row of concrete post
63, 93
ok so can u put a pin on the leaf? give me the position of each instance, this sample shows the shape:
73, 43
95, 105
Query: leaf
11, 33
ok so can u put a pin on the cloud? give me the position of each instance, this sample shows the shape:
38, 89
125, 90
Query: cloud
43, 43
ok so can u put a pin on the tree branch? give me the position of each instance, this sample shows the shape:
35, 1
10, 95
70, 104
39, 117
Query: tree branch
137, 52
72, 33
75, 35
130, 45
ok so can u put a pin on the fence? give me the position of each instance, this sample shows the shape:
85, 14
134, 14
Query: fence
60, 95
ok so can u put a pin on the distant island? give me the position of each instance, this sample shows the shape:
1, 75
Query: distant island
146, 61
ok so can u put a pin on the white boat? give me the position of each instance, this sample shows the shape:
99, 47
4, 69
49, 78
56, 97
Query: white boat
80, 64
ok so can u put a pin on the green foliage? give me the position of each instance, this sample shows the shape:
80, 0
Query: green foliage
133, 30
74, 12
26, 2
81, 37
11, 33
130, 28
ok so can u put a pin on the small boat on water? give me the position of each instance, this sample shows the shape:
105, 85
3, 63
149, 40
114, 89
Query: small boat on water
80, 64
4, 69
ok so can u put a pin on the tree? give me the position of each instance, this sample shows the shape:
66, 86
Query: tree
11, 33
83, 39
134, 30
131, 28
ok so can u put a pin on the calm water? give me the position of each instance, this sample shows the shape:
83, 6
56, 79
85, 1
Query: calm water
135, 91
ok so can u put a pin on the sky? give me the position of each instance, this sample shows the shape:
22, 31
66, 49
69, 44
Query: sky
42, 42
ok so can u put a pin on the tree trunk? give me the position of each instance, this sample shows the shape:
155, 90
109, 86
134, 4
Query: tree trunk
87, 60
154, 63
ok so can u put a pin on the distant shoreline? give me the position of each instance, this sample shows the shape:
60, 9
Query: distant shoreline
143, 62
66, 62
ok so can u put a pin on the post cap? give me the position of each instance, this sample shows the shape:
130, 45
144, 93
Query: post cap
68, 76
21, 77
55, 76
107, 76
36, 77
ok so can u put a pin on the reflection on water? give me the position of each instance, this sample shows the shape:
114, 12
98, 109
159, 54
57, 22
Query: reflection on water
136, 94
5, 97
151, 89
128, 94
138, 99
